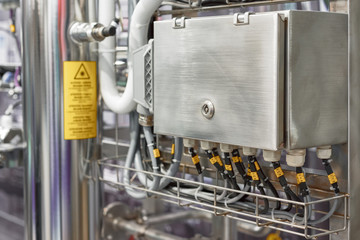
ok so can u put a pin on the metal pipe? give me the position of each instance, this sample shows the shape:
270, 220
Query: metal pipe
177, 216
252, 229
59, 200
141, 230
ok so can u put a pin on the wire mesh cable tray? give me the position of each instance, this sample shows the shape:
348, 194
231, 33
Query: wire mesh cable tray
303, 229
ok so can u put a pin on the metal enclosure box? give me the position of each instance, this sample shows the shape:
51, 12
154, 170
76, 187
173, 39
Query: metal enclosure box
317, 76
273, 85
239, 68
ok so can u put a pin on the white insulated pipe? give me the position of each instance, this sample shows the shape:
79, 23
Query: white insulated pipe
115, 101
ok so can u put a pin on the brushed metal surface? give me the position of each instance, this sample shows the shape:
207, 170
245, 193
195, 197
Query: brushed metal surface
238, 68
61, 202
354, 119
317, 79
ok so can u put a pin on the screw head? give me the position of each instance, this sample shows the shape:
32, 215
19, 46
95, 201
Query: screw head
208, 109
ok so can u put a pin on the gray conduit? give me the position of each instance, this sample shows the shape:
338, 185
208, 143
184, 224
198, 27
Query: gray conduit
173, 169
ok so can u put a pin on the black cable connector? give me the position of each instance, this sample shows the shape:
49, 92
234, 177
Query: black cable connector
239, 164
157, 155
258, 184
265, 179
173, 150
215, 160
331, 175
195, 159
290, 195
230, 171
301, 181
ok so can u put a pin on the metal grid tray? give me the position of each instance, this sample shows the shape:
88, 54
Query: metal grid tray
304, 230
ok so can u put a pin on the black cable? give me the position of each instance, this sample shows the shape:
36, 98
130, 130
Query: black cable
236, 158
300, 177
290, 195
331, 175
230, 171
258, 184
265, 179
195, 159
215, 160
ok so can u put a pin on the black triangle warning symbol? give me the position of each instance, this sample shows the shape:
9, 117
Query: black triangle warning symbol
82, 73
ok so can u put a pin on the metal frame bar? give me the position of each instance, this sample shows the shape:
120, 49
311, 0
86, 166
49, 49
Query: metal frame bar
189, 7
354, 118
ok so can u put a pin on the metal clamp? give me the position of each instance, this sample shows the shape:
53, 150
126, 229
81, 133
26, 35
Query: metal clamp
146, 121
242, 19
179, 22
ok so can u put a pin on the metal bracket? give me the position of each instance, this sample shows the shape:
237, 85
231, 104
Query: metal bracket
179, 22
242, 19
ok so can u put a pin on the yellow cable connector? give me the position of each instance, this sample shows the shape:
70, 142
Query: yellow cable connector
228, 167
195, 159
172, 149
300, 177
156, 153
235, 159
12, 28
278, 172
257, 166
213, 160
255, 176
218, 160
332, 178
249, 170
273, 236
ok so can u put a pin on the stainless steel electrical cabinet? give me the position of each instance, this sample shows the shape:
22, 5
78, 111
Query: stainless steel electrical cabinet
269, 80
316, 80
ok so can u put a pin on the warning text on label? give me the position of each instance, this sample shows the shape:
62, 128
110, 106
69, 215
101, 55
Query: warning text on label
80, 100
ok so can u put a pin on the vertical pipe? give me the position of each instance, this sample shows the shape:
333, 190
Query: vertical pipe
60, 203
354, 118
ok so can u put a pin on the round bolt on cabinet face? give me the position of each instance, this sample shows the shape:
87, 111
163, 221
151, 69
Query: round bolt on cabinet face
208, 109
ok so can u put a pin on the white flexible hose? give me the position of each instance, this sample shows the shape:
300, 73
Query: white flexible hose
115, 101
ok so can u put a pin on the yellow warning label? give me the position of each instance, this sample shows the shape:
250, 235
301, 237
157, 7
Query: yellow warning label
80, 100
